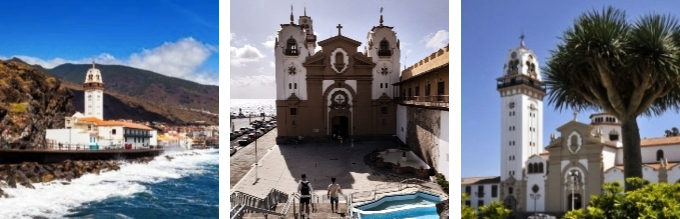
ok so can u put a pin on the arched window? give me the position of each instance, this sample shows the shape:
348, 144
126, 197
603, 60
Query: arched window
540, 167
290, 85
659, 155
384, 49
339, 58
291, 47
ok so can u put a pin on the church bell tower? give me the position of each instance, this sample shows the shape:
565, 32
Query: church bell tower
522, 91
94, 93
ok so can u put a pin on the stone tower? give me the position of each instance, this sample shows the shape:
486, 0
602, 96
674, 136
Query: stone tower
94, 93
522, 95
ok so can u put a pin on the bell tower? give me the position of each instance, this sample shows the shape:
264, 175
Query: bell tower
94, 93
383, 48
522, 91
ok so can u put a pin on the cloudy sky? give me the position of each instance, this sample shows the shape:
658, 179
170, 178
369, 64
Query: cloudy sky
421, 29
171, 37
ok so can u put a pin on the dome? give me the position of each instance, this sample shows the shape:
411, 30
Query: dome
522, 61
93, 75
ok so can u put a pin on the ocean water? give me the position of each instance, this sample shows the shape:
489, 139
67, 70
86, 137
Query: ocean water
186, 187
253, 106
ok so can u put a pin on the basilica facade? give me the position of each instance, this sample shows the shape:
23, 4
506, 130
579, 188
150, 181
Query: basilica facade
342, 89
580, 157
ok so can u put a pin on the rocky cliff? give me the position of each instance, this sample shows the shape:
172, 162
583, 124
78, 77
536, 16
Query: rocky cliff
30, 103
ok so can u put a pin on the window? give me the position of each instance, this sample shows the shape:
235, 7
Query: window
290, 85
409, 92
383, 110
440, 88
480, 203
113, 131
384, 48
659, 155
381, 84
295, 86
417, 90
510, 190
427, 90
613, 137
494, 191
480, 191
467, 202
291, 48
385, 85
468, 190
293, 111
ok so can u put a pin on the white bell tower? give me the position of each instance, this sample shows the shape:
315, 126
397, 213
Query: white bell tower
522, 93
383, 48
94, 93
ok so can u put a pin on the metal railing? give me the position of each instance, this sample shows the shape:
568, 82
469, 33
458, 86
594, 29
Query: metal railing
246, 203
430, 101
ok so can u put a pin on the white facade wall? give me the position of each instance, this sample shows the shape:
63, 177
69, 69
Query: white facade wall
614, 175
670, 152
535, 179
444, 145
391, 62
283, 78
111, 135
72, 137
137, 142
674, 174
521, 133
154, 137
608, 157
650, 175
488, 197
402, 123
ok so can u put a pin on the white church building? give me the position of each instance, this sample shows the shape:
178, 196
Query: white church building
564, 173
91, 131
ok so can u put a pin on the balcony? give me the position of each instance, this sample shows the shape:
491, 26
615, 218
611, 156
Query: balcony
311, 38
137, 134
503, 83
439, 102
384, 53
291, 52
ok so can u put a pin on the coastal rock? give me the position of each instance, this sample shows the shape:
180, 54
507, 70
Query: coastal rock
34, 102
11, 182
68, 176
169, 157
27, 185
47, 177
443, 209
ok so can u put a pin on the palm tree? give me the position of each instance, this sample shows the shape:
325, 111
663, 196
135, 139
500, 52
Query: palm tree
625, 69
669, 133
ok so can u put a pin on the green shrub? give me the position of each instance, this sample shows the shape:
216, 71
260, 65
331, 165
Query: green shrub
654, 200
441, 180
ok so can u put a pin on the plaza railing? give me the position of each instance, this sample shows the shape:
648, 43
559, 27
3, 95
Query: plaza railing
246, 203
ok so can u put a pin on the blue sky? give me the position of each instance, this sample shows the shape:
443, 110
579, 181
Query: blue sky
489, 31
178, 38
422, 28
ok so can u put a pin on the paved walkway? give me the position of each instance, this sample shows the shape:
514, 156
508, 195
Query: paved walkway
242, 161
282, 166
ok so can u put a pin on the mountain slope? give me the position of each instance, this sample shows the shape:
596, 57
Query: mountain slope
146, 85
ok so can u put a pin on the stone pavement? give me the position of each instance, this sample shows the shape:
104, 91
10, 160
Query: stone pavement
242, 161
282, 166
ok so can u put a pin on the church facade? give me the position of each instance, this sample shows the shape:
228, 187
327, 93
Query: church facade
580, 157
342, 89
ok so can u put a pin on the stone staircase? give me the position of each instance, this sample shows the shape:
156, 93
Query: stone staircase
323, 210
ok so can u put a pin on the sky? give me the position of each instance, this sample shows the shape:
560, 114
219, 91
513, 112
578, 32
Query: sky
421, 28
178, 38
488, 31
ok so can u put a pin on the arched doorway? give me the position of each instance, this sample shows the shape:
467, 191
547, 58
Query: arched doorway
340, 126
576, 201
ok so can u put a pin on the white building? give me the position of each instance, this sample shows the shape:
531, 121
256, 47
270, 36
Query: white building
94, 93
91, 131
573, 166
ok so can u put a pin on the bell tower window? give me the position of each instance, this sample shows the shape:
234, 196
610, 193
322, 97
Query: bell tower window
291, 47
384, 48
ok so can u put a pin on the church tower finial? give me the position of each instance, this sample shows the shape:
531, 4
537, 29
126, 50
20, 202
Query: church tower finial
305, 10
381, 17
291, 14
521, 43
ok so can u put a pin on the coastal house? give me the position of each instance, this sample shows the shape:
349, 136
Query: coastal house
84, 131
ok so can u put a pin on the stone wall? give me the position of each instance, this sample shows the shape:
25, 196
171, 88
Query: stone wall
423, 131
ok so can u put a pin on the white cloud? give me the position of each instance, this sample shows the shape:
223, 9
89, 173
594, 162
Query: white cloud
260, 69
438, 41
271, 64
269, 44
247, 53
181, 59
243, 87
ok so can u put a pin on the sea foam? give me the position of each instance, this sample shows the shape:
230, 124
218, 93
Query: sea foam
54, 200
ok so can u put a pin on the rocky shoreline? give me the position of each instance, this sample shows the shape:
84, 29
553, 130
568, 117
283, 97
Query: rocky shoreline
26, 173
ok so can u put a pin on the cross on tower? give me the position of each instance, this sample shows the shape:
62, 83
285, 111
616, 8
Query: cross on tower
339, 99
339, 27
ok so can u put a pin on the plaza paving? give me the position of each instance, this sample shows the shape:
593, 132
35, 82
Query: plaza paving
282, 165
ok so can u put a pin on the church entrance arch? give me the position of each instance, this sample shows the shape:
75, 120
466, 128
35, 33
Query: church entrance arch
340, 126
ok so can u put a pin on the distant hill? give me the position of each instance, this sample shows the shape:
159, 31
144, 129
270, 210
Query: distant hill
137, 94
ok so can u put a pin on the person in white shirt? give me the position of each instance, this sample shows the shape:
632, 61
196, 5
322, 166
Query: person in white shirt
305, 189
333, 191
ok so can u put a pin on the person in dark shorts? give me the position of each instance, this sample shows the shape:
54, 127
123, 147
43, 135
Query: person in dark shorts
305, 189
333, 191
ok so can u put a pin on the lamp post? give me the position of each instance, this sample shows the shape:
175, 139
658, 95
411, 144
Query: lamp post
69, 137
574, 176
535, 197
